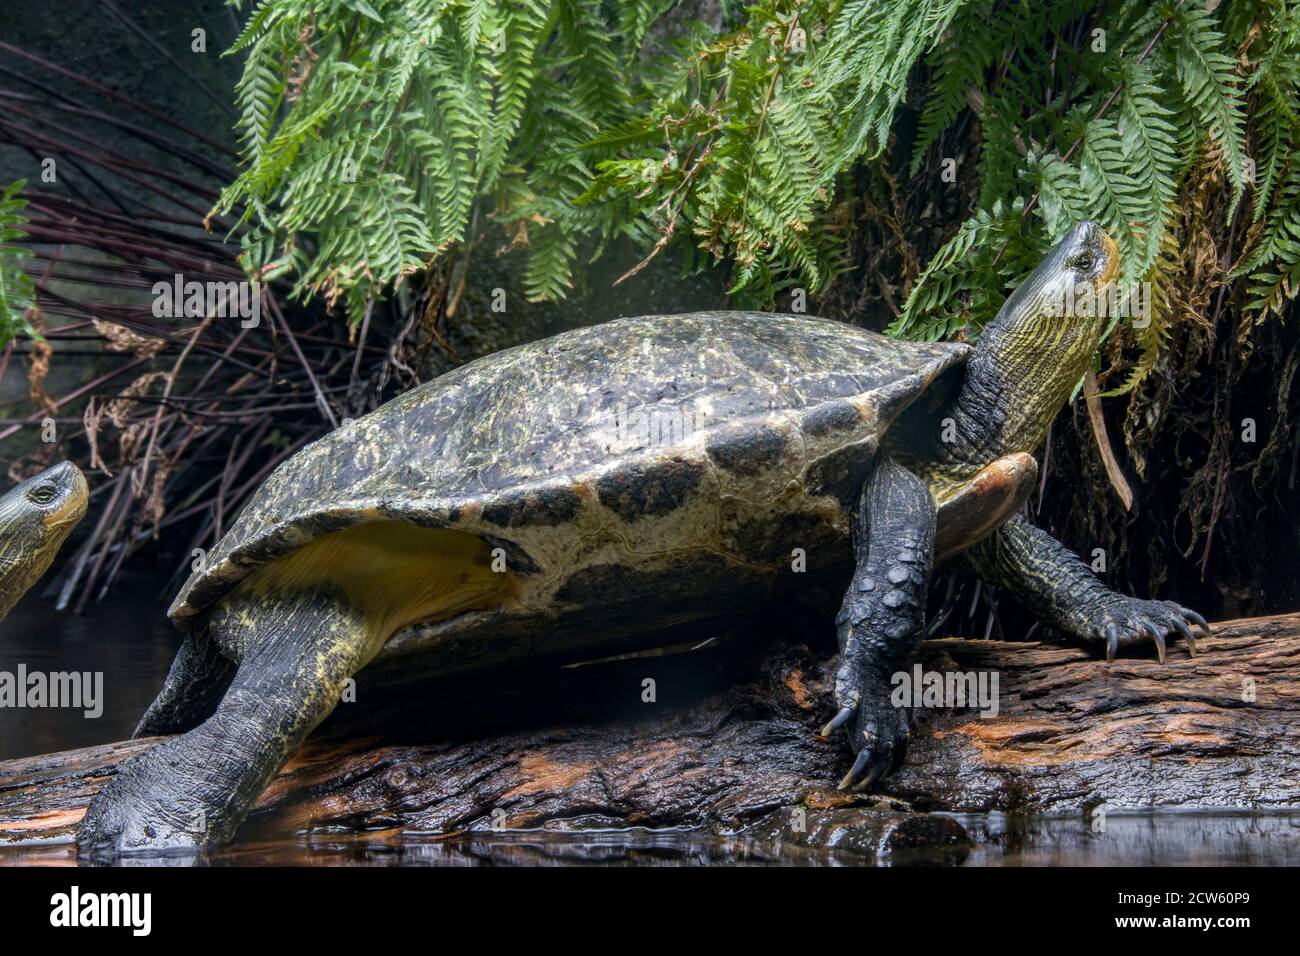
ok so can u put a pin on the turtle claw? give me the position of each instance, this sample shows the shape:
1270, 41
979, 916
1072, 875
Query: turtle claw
884, 768
876, 729
869, 781
839, 720
1132, 621
1112, 642
880, 736
860, 764
1188, 637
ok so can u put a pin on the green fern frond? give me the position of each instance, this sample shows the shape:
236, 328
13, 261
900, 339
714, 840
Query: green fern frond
17, 294
550, 258
1209, 84
1152, 333
1274, 268
962, 282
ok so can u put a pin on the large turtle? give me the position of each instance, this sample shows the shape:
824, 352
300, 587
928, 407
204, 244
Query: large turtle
611, 483
36, 517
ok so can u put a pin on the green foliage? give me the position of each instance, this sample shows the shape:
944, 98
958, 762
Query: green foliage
1164, 91
1274, 265
964, 274
16, 292
744, 133
560, 120
371, 130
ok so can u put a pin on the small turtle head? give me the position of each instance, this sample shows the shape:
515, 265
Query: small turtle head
1069, 284
35, 519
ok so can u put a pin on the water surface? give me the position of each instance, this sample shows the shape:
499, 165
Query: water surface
125, 640
1160, 838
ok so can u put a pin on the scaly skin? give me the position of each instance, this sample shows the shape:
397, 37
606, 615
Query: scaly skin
193, 791
883, 616
1063, 592
198, 679
1027, 363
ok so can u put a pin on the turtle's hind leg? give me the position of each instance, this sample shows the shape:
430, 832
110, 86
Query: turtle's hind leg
882, 617
192, 792
199, 677
299, 626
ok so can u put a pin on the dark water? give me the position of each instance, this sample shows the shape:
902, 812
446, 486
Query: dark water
1165, 838
124, 643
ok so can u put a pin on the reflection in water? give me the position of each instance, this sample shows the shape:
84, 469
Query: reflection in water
1146, 838
126, 638
1164, 838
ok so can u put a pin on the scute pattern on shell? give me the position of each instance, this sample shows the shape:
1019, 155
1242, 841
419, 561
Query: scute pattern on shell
662, 437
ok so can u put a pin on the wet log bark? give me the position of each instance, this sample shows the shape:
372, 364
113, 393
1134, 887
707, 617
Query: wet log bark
730, 743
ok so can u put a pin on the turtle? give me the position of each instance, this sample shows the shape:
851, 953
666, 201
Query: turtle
614, 485
36, 517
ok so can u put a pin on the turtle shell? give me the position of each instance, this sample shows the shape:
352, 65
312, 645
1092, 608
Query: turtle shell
687, 453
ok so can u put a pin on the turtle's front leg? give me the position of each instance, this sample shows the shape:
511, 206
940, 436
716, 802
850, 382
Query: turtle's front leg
1063, 592
883, 616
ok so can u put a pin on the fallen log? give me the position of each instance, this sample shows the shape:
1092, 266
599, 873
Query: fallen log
729, 743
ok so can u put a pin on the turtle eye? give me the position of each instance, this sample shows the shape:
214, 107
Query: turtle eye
43, 494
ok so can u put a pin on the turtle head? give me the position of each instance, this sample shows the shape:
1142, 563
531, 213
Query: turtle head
35, 519
1064, 296
1086, 259
1031, 357
1037, 349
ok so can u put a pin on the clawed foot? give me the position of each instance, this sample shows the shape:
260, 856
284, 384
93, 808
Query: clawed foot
1131, 621
878, 731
